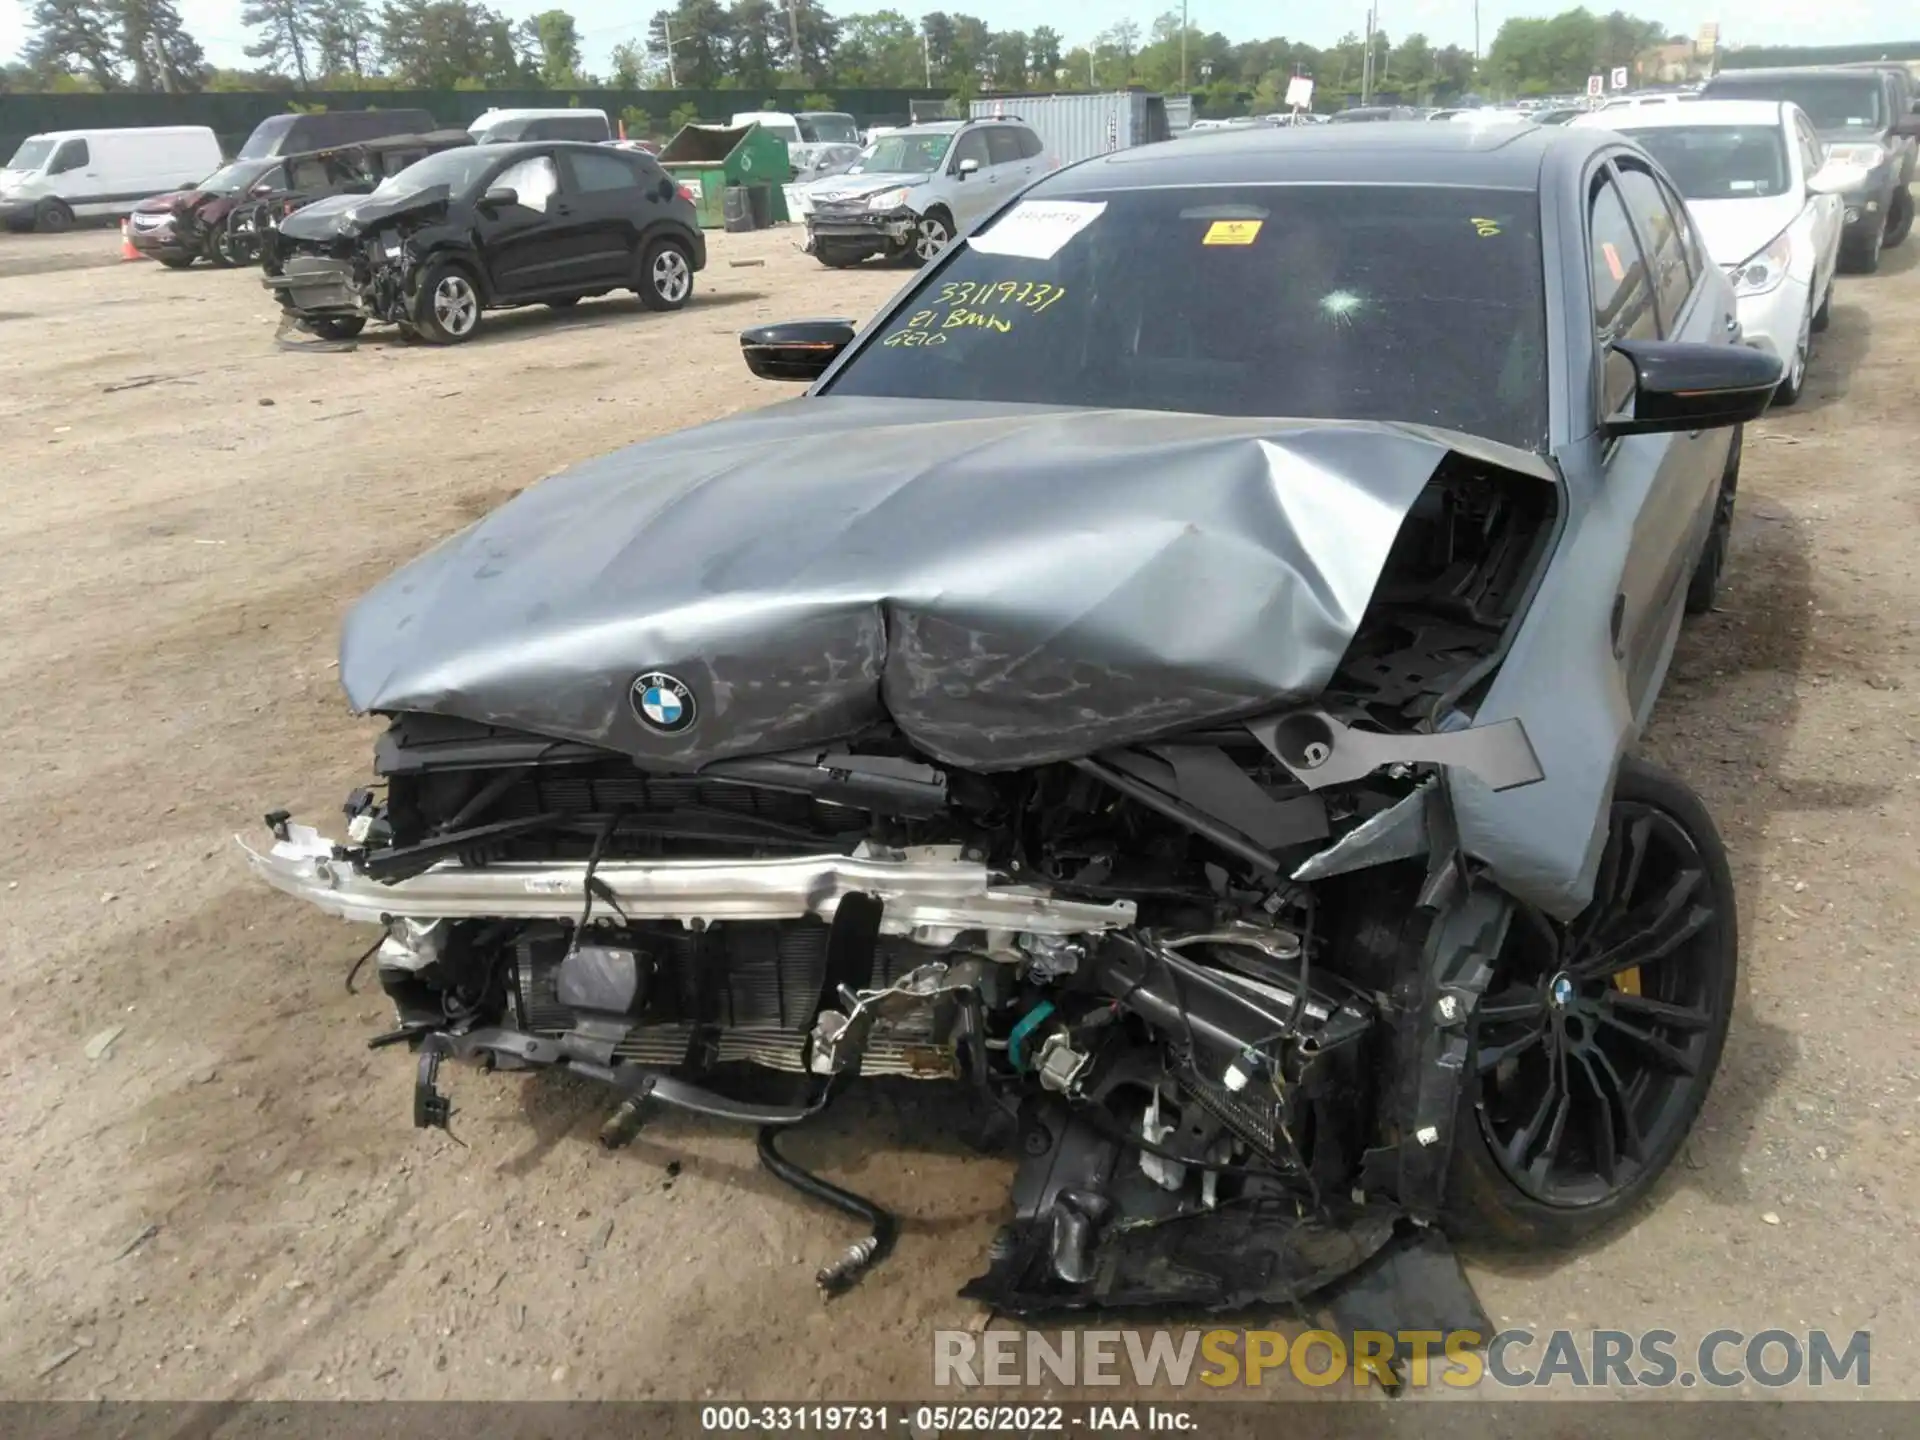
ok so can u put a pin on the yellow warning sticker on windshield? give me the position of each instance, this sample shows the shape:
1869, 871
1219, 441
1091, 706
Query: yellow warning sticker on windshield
1231, 232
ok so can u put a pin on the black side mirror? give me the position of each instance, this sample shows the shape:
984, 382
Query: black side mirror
500, 197
795, 349
1685, 385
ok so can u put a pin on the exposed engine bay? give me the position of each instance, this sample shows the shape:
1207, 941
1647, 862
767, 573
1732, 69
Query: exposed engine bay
1191, 982
368, 273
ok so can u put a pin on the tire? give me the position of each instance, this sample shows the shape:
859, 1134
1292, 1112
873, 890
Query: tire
1863, 257
52, 217
336, 327
1703, 589
932, 235
835, 258
446, 309
1899, 216
1601, 1032
175, 262
219, 248
665, 278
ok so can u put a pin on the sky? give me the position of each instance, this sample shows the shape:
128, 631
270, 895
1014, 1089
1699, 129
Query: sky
605, 23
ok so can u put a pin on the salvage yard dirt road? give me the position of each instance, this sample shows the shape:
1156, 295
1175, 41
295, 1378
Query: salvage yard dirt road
211, 1187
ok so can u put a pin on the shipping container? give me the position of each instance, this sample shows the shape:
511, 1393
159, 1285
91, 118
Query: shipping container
1179, 113
1078, 127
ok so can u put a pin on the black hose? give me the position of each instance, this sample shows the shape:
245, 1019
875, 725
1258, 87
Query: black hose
844, 1273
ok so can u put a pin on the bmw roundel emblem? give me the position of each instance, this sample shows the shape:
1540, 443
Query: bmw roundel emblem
663, 703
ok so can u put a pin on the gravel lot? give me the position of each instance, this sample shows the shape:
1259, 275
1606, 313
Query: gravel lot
229, 1201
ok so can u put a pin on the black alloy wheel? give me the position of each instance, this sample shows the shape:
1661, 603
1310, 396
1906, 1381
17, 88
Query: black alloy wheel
1597, 1040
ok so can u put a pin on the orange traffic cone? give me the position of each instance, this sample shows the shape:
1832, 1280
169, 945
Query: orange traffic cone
127, 252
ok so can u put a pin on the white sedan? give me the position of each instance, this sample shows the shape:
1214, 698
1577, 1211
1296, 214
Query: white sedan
1756, 183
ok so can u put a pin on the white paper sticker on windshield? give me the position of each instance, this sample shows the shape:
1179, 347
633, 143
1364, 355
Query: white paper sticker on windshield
1036, 229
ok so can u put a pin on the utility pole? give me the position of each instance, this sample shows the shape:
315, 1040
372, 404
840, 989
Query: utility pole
666, 35
926, 53
1366, 63
793, 32
1183, 47
1476, 32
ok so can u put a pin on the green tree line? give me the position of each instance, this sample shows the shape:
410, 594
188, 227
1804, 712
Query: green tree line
761, 44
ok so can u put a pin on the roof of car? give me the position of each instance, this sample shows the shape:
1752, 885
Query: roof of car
1693, 114
528, 147
1771, 72
1504, 157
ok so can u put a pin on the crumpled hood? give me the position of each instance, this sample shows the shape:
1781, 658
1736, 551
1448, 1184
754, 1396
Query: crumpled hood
174, 202
848, 186
1737, 230
1012, 584
335, 217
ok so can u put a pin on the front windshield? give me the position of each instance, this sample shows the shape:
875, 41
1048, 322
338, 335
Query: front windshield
31, 155
1719, 162
788, 133
1833, 102
829, 129
1412, 303
232, 179
455, 169
902, 154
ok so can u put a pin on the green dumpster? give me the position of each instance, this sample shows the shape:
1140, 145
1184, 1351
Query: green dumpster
709, 158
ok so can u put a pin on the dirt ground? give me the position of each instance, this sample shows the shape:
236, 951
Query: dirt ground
228, 1200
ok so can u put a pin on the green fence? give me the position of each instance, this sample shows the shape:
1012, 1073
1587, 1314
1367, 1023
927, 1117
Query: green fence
233, 114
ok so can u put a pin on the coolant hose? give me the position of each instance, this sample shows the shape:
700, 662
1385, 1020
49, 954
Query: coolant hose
844, 1273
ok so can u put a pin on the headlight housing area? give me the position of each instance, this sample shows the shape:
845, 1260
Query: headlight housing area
1864, 156
1764, 271
888, 199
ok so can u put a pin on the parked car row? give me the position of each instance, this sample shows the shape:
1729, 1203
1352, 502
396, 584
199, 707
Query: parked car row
54, 178
377, 216
222, 219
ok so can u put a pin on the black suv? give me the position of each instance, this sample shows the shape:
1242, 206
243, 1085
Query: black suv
1865, 118
482, 227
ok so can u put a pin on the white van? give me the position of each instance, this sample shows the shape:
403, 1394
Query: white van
573, 123
63, 173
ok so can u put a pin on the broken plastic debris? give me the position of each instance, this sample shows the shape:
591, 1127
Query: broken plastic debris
101, 1043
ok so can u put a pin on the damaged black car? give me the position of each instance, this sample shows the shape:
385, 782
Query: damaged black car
1174, 677
484, 227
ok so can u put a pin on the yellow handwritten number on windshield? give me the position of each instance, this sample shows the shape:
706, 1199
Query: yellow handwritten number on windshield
1485, 229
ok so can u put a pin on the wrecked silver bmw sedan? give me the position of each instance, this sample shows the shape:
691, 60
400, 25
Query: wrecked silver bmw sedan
1241, 810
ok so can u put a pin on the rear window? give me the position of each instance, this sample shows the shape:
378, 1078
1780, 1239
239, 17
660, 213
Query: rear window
1719, 162
1412, 303
266, 136
1834, 102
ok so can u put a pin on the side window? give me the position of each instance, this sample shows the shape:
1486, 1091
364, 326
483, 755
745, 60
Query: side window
1030, 146
602, 172
1003, 146
1690, 248
1660, 237
1622, 293
308, 174
534, 179
972, 145
73, 155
